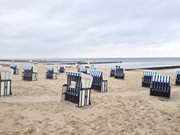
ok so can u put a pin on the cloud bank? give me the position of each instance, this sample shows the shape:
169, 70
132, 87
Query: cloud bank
89, 28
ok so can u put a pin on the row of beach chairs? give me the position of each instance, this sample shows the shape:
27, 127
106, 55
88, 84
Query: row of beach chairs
160, 85
78, 86
30, 72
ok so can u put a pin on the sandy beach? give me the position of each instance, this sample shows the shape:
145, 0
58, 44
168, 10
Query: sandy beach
36, 108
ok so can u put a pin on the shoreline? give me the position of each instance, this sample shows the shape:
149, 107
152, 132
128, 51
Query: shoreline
155, 68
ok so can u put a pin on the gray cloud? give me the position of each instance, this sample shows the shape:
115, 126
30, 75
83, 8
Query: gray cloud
88, 28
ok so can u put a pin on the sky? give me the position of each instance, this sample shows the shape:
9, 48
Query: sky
89, 28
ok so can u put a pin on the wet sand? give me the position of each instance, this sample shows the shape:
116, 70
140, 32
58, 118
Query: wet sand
127, 109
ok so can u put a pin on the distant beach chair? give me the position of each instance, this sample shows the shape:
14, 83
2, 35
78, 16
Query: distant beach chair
119, 72
160, 86
78, 88
112, 72
29, 73
5, 82
61, 69
15, 69
178, 78
100, 80
147, 78
52, 72
82, 69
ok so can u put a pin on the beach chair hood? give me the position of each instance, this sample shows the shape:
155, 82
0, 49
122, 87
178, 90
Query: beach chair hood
30, 67
6, 73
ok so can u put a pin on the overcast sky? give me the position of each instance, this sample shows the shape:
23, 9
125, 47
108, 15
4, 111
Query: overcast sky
89, 28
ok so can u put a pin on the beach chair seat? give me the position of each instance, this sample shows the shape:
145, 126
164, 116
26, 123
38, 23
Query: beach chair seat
100, 81
15, 69
119, 73
147, 78
178, 78
5, 82
78, 89
160, 86
52, 72
29, 73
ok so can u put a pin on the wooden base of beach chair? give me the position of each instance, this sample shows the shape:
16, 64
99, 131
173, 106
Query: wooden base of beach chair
101, 87
80, 97
177, 82
146, 84
5, 88
51, 76
161, 93
120, 77
30, 77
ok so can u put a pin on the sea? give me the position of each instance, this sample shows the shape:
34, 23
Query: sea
128, 63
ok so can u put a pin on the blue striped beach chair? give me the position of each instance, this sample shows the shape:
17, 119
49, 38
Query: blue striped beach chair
78, 88
147, 78
119, 73
5, 82
52, 72
100, 81
29, 73
160, 86
15, 69
178, 78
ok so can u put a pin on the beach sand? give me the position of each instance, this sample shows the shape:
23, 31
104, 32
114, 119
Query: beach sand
127, 109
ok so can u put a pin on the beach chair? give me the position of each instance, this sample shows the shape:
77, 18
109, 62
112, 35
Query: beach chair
147, 78
5, 82
82, 69
29, 73
100, 80
112, 72
15, 69
78, 88
178, 78
119, 73
61, 69
52, 72
160, 86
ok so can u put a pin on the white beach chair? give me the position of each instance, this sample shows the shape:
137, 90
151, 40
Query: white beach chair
78, 88
5, 82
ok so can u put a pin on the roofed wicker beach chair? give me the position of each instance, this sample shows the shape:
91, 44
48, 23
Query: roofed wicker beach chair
100, 80
112, 72
5, 81
78, 88
29, 73
52, 72
160, 86
147, 78
15, 69
61, 69
178, 78
119, 73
